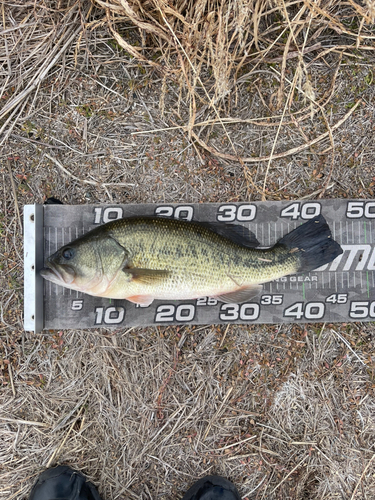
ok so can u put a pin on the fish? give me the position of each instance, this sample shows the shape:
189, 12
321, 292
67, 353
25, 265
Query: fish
142, 259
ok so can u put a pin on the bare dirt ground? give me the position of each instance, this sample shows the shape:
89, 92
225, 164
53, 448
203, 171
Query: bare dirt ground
285, 412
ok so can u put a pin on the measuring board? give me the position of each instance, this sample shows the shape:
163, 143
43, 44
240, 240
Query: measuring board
340, 291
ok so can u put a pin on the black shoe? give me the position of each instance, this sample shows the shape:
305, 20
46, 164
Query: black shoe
212, 488
63, 483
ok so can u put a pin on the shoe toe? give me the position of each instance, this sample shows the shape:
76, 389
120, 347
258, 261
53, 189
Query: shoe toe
63, 483
212, 488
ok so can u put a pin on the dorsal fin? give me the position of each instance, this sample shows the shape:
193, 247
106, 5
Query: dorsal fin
234, 232
238, 234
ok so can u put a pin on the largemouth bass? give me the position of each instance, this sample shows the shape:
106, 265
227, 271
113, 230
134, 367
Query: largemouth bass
146, 258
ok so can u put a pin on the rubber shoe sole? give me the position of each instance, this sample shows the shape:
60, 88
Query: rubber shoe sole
63, 483
212, 488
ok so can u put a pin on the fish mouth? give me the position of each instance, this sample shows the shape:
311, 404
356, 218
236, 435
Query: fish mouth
52, 273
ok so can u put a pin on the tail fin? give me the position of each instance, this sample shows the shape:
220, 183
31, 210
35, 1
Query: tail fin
313, 240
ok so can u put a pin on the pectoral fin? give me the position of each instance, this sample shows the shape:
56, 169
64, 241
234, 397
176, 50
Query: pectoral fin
146, 276
241, 295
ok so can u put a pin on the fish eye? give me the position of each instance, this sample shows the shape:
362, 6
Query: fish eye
68, 253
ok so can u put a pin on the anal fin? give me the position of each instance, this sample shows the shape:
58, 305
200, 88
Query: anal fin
243, 294
143, 300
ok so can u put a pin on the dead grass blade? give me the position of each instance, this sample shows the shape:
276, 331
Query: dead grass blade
362, 476
41, 55
15, 196
85, 181
284, 154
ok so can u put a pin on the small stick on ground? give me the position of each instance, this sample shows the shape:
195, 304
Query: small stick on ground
159, 411
362, 476
343, 339
57, 451
84, 181
291, 472
20, 421
14, 195
11, 379
217, 413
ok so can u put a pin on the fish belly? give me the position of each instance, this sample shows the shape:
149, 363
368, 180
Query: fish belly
198, 265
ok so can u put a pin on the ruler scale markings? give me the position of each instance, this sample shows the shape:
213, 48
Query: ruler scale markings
63, 243
269, 234
277, 237
70, 239
49, 253
56, 247
354, 235
289, 283
334, 237
44, 258
76, 231
340, 232
83, 232
351, 241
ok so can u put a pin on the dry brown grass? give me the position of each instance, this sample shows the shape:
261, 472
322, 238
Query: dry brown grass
145, 412
209, 50
209, 47
285, 412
